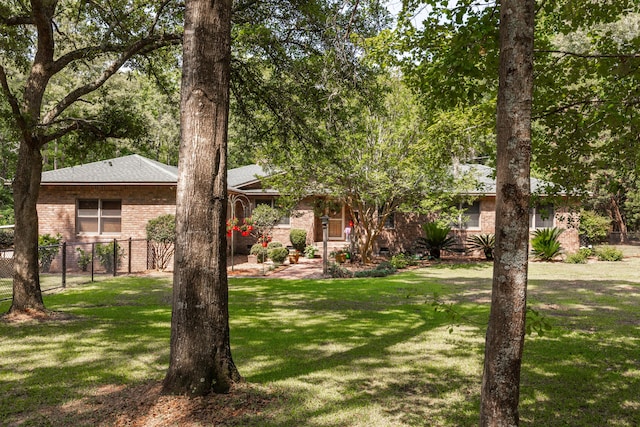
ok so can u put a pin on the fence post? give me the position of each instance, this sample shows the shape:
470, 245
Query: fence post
64, 264
129, 271
93, 257
115, 257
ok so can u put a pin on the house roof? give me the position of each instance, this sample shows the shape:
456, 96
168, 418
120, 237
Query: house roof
133, 169
485, 179
245, 175
136, 169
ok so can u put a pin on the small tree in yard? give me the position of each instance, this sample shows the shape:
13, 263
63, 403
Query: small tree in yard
161, 234
265, 219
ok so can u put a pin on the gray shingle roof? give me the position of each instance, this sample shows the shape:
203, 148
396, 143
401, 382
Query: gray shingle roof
121, 170
244, 175
135, 169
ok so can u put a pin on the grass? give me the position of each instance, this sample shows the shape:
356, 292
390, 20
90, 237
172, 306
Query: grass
357, 352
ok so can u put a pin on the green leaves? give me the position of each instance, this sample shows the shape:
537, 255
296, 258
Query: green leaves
545, 244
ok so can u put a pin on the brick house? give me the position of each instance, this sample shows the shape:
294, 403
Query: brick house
116, 198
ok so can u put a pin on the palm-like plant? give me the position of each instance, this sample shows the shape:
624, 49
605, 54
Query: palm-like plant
545, 244
436, 238
483, 242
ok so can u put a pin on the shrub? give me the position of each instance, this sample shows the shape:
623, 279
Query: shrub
161, 234
278, 254
273, 245
579, 257
594, 228
48, 248
483, 242
259, 251
383, 269
104, 253
545, 244
310, 251
84, 259
400, 261
436, 238
609, 253
338, 272
6, 239
298, 239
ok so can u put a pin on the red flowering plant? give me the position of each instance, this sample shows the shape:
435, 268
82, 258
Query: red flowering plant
247, 226
264, 239
232, 225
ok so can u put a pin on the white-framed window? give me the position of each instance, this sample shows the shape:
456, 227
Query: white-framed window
469, 217
541, 216
97, 216
285, 220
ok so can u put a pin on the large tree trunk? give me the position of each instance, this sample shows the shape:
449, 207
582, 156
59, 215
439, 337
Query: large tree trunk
505, 334
27, 296
200, 351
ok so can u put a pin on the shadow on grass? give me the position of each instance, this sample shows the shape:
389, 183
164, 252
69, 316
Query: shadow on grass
356, 352
118, 334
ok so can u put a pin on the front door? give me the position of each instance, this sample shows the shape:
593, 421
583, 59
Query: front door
336, 225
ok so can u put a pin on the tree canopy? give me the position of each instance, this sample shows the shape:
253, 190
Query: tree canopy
585, 101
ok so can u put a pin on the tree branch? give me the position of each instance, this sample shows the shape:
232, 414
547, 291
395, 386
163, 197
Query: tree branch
69, 125
13, 101
141, 47
16, 21
567, 107
589, 55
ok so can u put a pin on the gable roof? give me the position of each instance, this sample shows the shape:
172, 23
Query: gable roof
133, 169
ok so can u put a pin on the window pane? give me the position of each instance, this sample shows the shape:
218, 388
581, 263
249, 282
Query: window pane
110, 225
87, 225
111, 208
544, 217
471, 215
88, 208
285, 220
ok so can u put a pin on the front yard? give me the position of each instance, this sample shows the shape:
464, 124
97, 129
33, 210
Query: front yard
353, 352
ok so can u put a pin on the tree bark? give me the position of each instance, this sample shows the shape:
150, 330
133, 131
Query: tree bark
505, 333
200, 357
27, 296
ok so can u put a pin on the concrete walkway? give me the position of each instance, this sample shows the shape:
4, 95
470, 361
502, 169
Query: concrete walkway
304, 269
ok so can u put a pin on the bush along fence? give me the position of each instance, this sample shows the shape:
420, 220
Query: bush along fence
82, 262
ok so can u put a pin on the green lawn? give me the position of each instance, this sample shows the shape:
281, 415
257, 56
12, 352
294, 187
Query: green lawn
357, 352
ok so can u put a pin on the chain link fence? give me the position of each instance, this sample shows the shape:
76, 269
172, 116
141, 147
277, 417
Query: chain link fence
82, 262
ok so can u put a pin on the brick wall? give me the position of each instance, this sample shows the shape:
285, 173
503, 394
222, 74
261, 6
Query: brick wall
57, 214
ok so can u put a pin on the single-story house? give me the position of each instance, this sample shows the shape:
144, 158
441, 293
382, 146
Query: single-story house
116, 198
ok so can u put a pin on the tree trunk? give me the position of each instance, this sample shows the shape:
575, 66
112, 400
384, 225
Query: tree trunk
505, 333
27, 296
200, 356
619, 225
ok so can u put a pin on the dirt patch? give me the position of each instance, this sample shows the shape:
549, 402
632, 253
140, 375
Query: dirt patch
144, 406
39, 316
